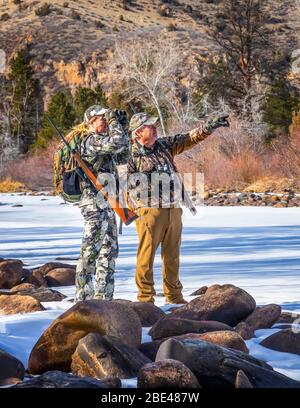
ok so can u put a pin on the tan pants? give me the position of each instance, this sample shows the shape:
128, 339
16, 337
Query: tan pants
155, 226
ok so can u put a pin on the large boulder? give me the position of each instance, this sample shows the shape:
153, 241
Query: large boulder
224, 338
148, 313
264, 317
11, 273
287, 340
49, 266
166, 374
173, 327
12, 304
105, 356
61, 277
54, 349
11, 369
57, 379
41, 294
216, 366
22, 287
227, 303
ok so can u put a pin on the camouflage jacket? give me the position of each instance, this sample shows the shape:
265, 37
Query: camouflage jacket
103, 152
158, 159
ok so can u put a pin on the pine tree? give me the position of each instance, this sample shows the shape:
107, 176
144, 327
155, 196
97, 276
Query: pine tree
60, 109
23, 102
85, 97
249, 56
280, 103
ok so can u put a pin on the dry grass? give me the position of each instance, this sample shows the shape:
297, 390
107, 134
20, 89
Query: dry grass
273, 183
59, 38
11, 186
36, 171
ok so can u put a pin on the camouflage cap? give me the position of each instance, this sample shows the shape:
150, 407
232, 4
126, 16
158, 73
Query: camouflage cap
92, 111
139, 120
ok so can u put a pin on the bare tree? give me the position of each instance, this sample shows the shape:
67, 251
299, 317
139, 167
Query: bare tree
148, 68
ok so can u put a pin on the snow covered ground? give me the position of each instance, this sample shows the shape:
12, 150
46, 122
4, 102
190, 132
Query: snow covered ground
255, 248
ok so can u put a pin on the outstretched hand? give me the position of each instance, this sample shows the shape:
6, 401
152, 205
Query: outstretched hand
219, 121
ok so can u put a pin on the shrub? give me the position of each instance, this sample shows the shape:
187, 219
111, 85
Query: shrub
10, 186
33, 171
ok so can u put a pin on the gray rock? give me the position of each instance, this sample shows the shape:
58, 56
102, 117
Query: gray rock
227, 303
166, 374
286, 340
105, 356
216, 366
169, 327
11, 369
10, 273
245, 331
264, 317
55, 347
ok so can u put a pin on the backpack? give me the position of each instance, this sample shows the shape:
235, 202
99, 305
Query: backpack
67, 175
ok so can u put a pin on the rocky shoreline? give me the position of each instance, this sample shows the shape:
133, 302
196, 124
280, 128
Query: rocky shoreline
288, 198
98, 343
265, 199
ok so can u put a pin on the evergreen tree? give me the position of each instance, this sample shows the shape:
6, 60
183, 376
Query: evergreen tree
60, 109
85, 97
23, 103
280, 103
249, 57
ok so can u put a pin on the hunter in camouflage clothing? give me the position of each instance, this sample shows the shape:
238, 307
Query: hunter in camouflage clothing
160, 214
105, 146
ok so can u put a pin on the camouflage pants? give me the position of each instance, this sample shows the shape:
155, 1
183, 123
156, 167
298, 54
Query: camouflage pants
99, 249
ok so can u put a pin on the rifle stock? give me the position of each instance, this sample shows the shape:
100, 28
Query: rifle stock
126, 215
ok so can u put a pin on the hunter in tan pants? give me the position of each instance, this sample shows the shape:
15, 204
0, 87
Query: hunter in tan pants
159, 223
157, 226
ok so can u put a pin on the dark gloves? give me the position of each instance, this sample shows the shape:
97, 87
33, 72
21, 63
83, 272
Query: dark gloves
118, 115
110, 115
221, 121
122, 118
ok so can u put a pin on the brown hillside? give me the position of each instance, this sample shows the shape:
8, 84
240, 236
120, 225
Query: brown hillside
71, 42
